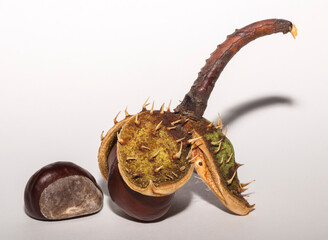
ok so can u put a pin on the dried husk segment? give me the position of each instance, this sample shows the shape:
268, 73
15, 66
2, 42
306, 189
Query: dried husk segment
107, 144
218, 170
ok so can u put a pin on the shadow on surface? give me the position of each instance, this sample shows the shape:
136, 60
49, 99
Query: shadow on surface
198, 187
180, 201
103, 185
236, 112
118, 211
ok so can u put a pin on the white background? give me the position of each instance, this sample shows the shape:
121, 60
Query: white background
68, 67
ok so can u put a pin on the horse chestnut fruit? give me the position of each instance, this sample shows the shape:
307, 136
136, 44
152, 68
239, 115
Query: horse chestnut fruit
62, 190
148, 156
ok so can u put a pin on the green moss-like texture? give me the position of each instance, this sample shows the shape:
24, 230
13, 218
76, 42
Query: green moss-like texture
149, 148
223, 155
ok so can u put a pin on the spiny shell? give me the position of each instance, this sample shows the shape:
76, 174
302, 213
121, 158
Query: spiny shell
152, 156
158, 150
216, 165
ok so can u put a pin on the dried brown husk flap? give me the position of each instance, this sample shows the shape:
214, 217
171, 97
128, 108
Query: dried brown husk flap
214, 161
107, 143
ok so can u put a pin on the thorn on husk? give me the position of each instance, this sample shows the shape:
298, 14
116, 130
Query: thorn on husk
231, 179
221, 161
158, 126
168, 108
193, 140
179, 140
120, 140
171, 128
155, 154
194, 146
228, 160
162, 109
137, 175
178, 154
245, 184
131, 158
210, 125
175, 175
182, 168
239, 164
217, 143
152, 109
158, 169
144, 106
244, 195
126, 112
115, 119
218, 150
189, 154
143, 147
192, 160
175, 122
186, 120
169, 176
136, 121
226, 131
220, 124
102, 135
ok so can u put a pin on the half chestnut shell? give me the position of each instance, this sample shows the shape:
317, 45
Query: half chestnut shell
62, 190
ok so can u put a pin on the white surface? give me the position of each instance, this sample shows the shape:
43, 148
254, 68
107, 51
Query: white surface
68, 67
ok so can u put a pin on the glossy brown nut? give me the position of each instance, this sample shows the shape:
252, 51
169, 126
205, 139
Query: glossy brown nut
62, 190
134, 204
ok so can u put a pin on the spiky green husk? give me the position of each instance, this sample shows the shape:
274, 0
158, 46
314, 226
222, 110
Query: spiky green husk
225, 161
220, 171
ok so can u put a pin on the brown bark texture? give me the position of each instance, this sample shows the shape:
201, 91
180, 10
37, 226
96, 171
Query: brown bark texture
195, 101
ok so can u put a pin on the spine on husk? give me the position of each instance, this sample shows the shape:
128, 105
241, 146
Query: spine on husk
195, 101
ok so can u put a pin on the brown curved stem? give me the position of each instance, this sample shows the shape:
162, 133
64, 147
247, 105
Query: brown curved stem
195, 101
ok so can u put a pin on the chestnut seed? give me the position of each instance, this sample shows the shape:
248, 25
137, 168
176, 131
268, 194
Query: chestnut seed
134, 204
62, 190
